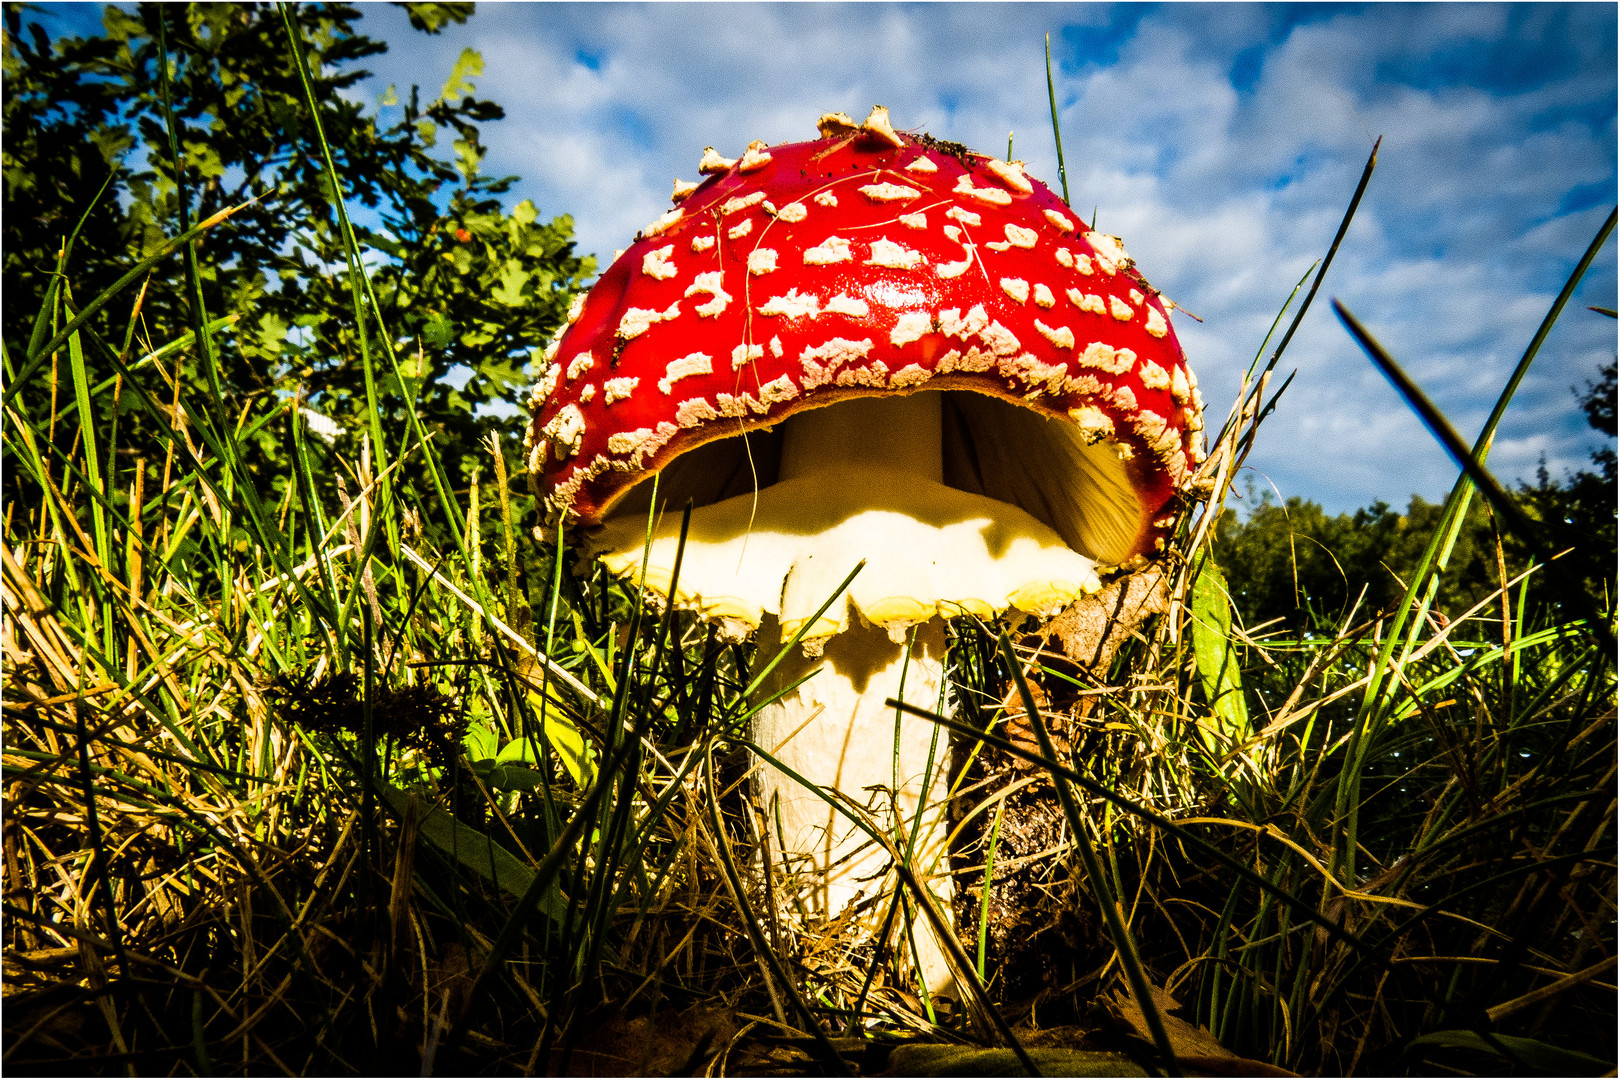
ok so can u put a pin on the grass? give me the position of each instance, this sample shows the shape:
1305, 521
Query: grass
333, 770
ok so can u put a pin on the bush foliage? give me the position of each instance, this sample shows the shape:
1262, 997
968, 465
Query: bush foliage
464, 284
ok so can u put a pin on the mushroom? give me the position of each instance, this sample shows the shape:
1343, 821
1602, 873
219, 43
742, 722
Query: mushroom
876, 346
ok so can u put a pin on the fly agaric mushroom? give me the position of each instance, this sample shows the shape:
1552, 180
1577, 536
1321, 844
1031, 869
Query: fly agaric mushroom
871, 346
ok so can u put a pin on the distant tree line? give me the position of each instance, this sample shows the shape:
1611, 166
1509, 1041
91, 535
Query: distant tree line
1297, 567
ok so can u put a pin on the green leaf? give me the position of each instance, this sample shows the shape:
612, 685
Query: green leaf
565, 738
510, 291
480, 742
438, 331
459, 85
74, 115
272, 332
204, 158
120, 25
469, 155
938, 1059
583, 642
112, 143
519, 749
1538, 1056
477, 852
413, 366
1216, 652
514, 778
431, 18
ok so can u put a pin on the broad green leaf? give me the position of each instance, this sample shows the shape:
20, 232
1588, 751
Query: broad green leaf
480, 742
938, 1059
272, 331
438, 332
565, 738
477, 852
1539, 1056
510, 290
513, 778
1216, 652
469, 65
520, 749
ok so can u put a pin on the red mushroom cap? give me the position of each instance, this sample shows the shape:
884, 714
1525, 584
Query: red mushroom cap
867, 262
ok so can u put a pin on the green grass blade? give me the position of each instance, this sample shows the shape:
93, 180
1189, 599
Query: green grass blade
184, 341
361, 281
1424, 583
1135, 809
762, 949
199, 311
1327, 260
475, 850
1124, 942
92, 465
38, 357
544, 874
330, 606
989, 878
1532, 533
1057, 131
759, 679
42, 319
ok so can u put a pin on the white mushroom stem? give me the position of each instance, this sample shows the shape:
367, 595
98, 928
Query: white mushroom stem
861, 479
834, 729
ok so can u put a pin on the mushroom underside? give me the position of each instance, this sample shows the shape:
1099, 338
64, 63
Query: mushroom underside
998, 521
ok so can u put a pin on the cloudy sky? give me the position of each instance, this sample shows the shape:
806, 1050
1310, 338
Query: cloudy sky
1222, 142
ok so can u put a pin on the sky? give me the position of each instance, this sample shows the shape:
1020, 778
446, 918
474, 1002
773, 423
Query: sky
1222, 142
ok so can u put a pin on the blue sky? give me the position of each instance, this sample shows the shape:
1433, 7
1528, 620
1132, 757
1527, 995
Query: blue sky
1222, 142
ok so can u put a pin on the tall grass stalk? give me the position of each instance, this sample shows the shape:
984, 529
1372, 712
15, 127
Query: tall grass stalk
1425, 583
